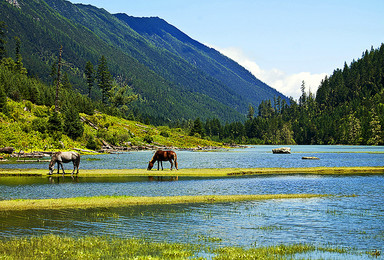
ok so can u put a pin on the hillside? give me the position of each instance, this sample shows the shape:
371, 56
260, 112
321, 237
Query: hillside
26, 127
238, 79
348, 108
172, 85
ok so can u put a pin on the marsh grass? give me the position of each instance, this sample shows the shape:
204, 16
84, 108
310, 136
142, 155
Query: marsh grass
118, 201
273, 252
59, 247
202, 172
63, 247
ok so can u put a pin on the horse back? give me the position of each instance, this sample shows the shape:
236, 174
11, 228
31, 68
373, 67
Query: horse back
165, 155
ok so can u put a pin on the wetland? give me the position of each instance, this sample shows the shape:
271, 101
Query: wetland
350, 218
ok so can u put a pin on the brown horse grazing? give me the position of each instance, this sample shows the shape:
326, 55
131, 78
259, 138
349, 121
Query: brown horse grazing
64, 157
161, 156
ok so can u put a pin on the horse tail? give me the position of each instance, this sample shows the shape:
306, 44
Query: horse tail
175, 159
77, 161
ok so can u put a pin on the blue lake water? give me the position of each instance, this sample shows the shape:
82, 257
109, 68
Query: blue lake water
338, 221
252, 157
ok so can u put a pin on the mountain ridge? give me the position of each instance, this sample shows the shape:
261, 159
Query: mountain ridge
165, 79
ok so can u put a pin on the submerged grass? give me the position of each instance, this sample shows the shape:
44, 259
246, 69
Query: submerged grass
203, 172
94, 247
118, 201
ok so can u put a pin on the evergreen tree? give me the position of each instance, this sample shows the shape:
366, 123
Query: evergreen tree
19, 64
104, 79
375, 129
55, 125
73, 127
66, 83
251, 112
3, 100
90, 77
2, 40
197, 128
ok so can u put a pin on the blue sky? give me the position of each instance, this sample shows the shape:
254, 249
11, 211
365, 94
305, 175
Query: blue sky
282, 42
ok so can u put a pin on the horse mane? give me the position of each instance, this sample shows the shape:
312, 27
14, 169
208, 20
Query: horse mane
154, 156
54, 158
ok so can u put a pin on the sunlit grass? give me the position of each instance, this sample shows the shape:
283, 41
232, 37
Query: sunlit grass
203, 172
118, 201
273, 252
94, 247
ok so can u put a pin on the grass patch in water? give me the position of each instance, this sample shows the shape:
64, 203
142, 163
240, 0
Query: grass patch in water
202, 172
119, 201
94, 247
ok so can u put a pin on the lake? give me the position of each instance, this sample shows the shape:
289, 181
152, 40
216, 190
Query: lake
252, 157
338, 221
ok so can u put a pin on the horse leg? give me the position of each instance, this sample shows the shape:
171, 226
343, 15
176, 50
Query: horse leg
158, 165
78, 164
175, 160
58, 167
162, 165
74, 167
62, 167
170, 160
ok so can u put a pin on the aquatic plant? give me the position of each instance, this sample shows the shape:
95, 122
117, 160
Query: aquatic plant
120, 201
95, 247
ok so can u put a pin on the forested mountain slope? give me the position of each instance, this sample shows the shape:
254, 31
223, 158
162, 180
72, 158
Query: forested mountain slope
206, 59
348, 108
170, 86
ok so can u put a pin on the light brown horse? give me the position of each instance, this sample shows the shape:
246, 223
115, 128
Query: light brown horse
64, 157
161, 156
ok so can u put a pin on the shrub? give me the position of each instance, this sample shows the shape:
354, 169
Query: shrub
148, 139
92, 144
39, 124
164, 133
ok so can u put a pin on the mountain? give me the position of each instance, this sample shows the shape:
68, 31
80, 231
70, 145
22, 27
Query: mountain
208, 60
176, 77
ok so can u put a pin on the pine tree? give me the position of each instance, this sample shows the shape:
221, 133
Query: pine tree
55, 125
89, 74
3, 100
251, 112
197, 128
73, 127
2, 40
104, 79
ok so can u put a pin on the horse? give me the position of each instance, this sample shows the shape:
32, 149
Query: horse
161, 156
64, 157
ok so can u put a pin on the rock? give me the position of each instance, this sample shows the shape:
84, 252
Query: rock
310, 158
8, 150
282, 150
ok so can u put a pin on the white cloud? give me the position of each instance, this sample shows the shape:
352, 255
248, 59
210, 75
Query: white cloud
289, 85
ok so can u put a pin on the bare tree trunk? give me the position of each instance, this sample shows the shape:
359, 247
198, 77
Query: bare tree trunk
58, 81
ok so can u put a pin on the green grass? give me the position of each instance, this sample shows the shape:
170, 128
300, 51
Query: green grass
204, 172
63, 247
119, 201
18, 130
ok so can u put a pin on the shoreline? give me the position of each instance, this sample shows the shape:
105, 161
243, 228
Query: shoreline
200, 172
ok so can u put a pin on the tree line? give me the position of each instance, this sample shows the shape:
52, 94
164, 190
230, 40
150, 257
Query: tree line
348, 108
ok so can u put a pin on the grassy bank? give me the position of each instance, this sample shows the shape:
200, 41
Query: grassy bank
132, 248
205, 172
25, 127
119, 201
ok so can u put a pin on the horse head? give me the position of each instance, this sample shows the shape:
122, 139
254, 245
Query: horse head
150, 165
51, 166
52, 163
